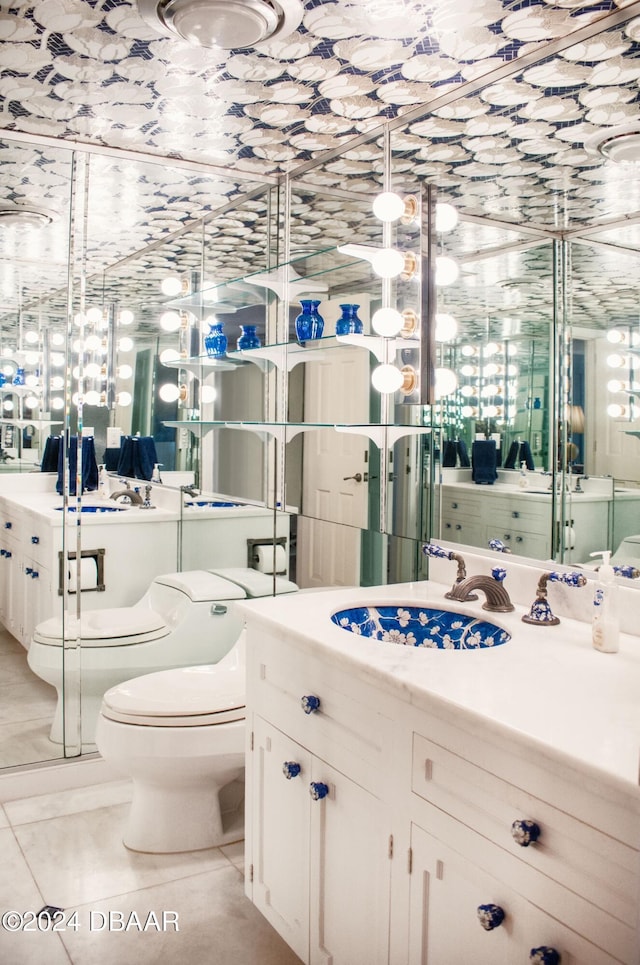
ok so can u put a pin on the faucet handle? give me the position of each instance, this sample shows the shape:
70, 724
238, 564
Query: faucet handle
630, 572
432, 549
499, 546
570, 579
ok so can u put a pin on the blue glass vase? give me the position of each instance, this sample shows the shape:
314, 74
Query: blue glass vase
18, 378
349, 323
215, 342
309, 323
248, 338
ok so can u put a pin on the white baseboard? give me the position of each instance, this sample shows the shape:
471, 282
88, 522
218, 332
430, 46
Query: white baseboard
29, 781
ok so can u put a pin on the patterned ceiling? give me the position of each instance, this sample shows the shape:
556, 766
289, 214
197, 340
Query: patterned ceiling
496, 102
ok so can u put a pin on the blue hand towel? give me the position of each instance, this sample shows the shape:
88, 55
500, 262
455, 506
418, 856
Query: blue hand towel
50, 455
89, 475
111, 459
463, 455
526, 457
449, 455
125, 462
483, 462
510, 461
145, 457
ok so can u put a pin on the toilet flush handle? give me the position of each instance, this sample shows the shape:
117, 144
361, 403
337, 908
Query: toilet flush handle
218, 609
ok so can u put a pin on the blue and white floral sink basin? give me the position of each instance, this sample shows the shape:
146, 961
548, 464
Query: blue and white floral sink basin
209, 504
93, 509
425, 627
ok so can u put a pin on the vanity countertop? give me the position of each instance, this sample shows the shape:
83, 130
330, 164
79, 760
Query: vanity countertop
546, 688
44, 504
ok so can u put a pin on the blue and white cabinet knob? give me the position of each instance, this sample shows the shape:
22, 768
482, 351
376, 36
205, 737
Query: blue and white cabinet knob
310, 704
318, 790
525, 833
544, 956
490, 916
290, 769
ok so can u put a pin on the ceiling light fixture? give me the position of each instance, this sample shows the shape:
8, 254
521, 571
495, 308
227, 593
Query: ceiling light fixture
619, 144
227, 24
25, 216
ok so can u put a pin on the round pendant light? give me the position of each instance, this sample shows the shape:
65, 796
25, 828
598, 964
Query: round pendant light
25, 216
227, 24
619, 144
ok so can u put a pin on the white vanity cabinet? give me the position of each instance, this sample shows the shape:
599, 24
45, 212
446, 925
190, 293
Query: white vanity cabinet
318, 830
10, 557
424, 819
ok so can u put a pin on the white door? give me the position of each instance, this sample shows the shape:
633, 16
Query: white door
334, 500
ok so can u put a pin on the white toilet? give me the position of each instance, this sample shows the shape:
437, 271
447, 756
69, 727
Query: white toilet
179, 734
183, 619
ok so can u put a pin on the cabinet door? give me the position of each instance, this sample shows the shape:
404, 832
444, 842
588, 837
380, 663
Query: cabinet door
350, 873
280, 831
37, 597
445, 893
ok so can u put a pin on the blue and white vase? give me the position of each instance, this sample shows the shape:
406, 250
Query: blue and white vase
215, 342
309, 323
18, 378
349, 323
248, 338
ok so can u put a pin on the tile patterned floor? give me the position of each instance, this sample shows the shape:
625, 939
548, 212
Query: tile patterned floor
64, 849
27, 705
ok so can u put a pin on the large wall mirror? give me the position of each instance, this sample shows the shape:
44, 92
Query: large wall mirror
288, 441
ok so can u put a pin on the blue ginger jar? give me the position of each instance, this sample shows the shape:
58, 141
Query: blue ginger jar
248, 338
215, 342
309, 324
349, 323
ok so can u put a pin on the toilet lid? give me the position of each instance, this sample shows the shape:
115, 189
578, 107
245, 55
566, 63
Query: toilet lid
119, 626
202, 585
254, 582
182, 697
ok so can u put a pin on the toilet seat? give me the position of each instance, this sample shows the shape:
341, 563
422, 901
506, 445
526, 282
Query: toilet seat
184, 697
118, 627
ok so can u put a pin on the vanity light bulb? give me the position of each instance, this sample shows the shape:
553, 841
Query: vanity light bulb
387, 379
616, 361
208, 394
7, 405
615, 336
126, 316
388, 263
468, 351
92, 397
31, 338
32, 381
446, 217
77, 346
124, 398
467, 391
124, 371
512, 370
490, 369
468, 411
57, 382
75, 398
94, 315
57, 339
491, 348
92, 370
75, 371
616, 411
169, 355
125, 344
446, 382
31, 401
171, 285
57, 403
57, 359
447, 270
468, 371
491, 411
446, 327
79, 319
387, 322
170, 321
32, 358
615, 385
388, 206
169, 392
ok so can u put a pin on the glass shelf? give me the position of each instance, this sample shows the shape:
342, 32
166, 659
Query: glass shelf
286, 431
38, 424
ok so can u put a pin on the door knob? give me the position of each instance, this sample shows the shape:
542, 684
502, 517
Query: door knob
357, 477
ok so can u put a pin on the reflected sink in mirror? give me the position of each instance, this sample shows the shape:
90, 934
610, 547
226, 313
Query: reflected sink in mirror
93, 509
210, 504
425, 627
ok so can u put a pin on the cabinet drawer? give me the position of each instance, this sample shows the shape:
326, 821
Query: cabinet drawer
532, 518
346, 728
37, 539
597, 868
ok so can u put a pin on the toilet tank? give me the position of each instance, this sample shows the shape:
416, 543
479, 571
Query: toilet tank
171, 594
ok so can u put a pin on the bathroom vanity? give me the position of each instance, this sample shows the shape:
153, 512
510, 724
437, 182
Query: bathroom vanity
383, 815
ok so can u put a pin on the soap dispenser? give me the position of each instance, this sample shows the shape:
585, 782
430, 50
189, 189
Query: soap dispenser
103, 488
523, 482
605, 633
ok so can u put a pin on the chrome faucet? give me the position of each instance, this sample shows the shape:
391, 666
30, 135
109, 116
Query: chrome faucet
497, 598
189, 491
132, 495
578, 486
